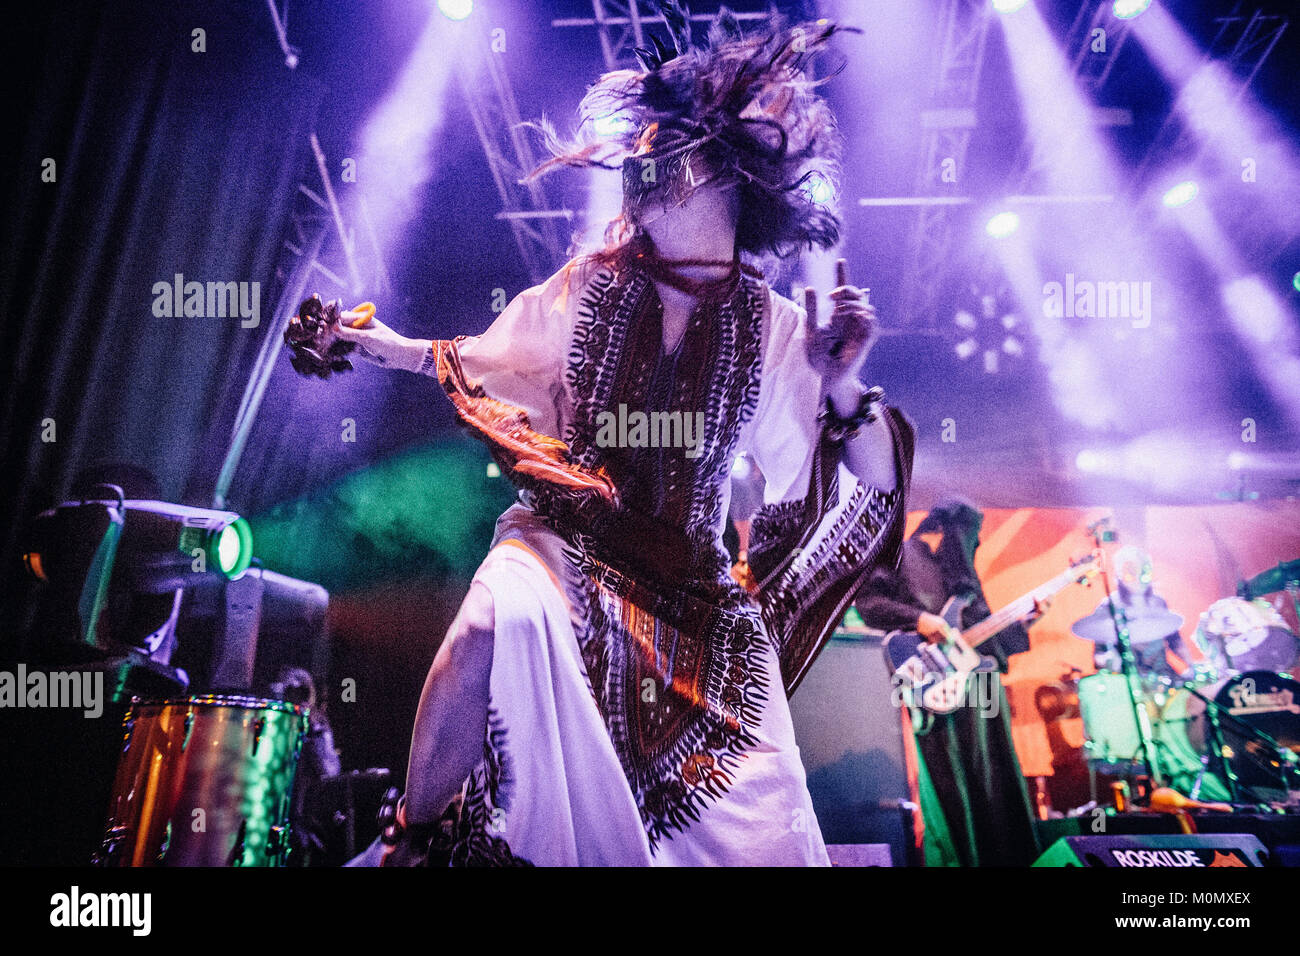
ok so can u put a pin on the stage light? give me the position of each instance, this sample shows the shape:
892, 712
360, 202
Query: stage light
612, 125
1295, 281
818, 189
456, 9
1214, 100
1002, 225
1181, 194
169, 536
114, 568
985, 326
1128, 9
1167, 461
400, 134
161, 546
1089, 461
1008, 6
1238, 460
234, 548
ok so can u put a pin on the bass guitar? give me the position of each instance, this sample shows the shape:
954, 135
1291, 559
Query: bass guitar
934, 676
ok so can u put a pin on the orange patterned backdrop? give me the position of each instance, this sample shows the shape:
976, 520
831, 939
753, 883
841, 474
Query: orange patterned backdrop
1198, 554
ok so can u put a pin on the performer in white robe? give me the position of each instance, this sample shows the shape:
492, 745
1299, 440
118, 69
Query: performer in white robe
637, 699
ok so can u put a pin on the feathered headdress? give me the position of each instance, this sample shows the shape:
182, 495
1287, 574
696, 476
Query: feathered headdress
738, 111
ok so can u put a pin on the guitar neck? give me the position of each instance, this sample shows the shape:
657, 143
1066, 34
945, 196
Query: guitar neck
1017, 610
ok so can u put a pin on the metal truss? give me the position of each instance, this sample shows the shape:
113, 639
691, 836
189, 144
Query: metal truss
1088, 71
510, 156
1090, 68
280, 21
1248, 41
320, 245
321, 234
1241, 45
620, 27
947, 125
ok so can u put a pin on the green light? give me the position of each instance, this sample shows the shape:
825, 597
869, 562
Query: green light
234, 548
1295, 281
365, 530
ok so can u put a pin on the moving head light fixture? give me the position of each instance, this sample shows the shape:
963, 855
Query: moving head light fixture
98, 552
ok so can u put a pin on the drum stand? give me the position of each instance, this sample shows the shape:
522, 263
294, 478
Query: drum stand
1102, 532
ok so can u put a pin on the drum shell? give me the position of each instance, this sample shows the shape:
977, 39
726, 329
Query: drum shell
1110, 729
1265, 700
205, 781
1113, 743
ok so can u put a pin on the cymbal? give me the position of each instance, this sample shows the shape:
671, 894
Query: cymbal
1148, 626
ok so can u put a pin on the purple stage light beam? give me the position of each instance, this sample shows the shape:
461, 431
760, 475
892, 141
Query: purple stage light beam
1216, 106
397, 157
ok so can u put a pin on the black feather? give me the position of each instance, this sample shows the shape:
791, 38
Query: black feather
678, 20
724, 28
744, 106
662, 51
649, 59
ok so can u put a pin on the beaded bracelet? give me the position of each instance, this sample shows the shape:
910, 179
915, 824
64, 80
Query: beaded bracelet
839, 427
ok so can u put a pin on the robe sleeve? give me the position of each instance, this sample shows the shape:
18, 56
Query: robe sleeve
884, 605
820, 532
507, 386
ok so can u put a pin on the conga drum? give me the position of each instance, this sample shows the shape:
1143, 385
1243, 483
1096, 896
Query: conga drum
204, 781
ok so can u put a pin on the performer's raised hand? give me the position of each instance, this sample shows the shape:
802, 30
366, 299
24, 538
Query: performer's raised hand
380, 345
838, 347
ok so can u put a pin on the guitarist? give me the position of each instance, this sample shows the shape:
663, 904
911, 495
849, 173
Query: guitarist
974, 800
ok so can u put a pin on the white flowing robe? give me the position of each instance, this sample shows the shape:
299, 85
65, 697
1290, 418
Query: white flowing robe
586, 760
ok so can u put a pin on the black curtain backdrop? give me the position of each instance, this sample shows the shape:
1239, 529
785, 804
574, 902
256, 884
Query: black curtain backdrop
167, 161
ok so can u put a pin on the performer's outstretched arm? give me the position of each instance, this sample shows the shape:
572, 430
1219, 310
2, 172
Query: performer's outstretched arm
838, 350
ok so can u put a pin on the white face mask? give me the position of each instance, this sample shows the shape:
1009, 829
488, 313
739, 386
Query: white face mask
724, 213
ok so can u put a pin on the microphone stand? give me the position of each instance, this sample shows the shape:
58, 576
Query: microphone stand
1102, 532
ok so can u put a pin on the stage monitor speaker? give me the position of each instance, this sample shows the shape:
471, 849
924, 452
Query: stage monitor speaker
1141, 850
851, 741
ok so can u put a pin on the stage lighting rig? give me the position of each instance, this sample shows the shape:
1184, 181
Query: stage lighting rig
104, 558
987, 328
1002, 224
1181, 194
456, 9
1128, 9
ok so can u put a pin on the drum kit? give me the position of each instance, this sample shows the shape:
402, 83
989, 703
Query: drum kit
1226, 729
